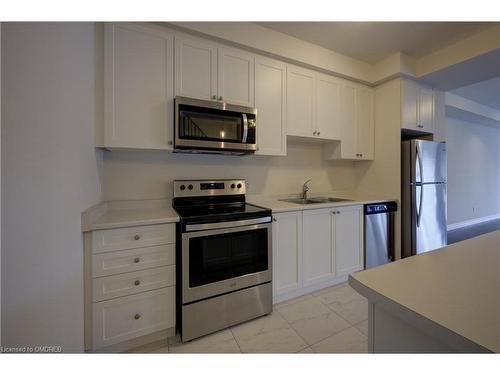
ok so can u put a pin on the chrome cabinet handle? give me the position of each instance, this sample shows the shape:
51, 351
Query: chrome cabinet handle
214, 97
137, 237
137, 260
220, 97
274, 219
314, 132
319, 133
137, 316
137, 282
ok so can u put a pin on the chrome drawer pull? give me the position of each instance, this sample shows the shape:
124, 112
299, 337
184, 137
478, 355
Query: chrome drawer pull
137, 237
137, 260
137, 316
137, 282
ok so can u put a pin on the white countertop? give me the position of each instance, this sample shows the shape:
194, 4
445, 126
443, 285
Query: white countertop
118, 214
457, 287
277, 205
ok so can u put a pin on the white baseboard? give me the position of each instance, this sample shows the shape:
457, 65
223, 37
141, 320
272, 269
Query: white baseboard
466, 223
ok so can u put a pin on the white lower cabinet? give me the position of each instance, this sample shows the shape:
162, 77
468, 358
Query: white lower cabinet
125, 318
348, 239
129, 286
287, 252
319, 255
313, 249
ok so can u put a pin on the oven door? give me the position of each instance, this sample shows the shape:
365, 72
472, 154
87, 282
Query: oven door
201, 124
219, 261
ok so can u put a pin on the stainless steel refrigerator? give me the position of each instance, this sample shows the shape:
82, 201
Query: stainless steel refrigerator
423, 196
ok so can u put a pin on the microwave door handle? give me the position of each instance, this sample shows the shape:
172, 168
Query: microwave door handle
245, 128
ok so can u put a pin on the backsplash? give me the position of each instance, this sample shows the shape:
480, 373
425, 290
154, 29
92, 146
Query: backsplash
148, 174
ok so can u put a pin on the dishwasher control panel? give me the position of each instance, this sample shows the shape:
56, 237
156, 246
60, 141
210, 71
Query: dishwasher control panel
380, 208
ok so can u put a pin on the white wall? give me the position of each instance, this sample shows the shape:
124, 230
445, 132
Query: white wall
473, 170
50, 173
148, 175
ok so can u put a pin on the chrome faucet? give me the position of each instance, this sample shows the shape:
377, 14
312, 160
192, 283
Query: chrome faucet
305, 189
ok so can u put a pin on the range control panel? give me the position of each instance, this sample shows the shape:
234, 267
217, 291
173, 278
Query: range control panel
200, 188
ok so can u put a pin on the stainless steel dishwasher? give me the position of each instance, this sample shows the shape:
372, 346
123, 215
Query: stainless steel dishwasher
379, 233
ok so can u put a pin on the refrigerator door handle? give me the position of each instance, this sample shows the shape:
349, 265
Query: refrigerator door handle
420, 163
421, 168
419, 211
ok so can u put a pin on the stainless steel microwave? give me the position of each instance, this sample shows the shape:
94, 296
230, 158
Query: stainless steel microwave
204, 126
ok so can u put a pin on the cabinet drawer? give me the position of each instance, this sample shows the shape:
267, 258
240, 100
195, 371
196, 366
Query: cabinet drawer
125, 284
131, 238
107, 264
125, 318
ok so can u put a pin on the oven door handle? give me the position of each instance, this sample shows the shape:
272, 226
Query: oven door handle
227, 224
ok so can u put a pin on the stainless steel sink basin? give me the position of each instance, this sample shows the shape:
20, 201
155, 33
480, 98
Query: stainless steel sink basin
314, 200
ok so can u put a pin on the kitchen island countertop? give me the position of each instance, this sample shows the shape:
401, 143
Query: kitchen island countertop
456, 288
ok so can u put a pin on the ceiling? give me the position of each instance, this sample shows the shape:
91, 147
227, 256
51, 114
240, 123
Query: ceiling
374, 41
485, 92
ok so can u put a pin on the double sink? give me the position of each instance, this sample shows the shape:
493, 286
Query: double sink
315, 200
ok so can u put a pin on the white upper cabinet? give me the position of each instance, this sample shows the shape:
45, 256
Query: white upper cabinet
236, 77
409, 105
349, 137
426, 109
195, 69
365, 123
417, 107
348, 239
300, 93
313, 104
138, 87
205, 71
270, 101
327, 107
357, 124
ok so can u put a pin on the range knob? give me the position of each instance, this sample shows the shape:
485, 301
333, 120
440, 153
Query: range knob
233, 186
239, 186
183, 187
190, 187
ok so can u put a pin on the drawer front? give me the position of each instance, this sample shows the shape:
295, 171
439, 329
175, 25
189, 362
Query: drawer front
125, 284
132, 238
129, 317
107, 264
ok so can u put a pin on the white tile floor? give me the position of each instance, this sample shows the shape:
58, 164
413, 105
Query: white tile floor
332, 320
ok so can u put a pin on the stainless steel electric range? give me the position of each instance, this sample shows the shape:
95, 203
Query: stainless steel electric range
224, 256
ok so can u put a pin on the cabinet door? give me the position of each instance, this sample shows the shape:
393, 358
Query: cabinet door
287, 252
349, 138
348, 239
426, 110
365, 123
236, 77
327, 107
195, 69
409, 105
270, 100
138, 87
317, 246
300, 102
